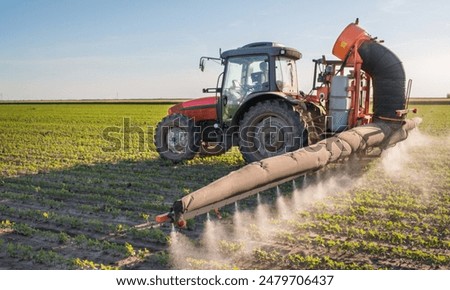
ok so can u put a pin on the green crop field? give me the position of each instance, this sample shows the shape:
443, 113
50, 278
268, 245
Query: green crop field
79, 184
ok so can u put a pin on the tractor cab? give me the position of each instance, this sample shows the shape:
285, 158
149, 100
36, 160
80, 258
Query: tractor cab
256, 69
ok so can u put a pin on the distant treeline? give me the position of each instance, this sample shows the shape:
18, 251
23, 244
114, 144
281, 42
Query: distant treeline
97, 101
435, 101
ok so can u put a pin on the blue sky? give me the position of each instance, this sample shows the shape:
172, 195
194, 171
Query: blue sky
150, 49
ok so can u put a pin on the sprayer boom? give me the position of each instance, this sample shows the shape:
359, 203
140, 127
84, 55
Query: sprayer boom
259, 176
169, 216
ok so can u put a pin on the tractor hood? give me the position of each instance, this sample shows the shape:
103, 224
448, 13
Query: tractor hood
201, 109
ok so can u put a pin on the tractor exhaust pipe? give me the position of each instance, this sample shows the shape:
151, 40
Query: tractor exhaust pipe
387, 129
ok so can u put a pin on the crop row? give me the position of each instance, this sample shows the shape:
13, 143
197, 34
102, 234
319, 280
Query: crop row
69, 222
434, 234
276, 259
60, 242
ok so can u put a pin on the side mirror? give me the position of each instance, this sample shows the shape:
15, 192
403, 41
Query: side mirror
202, 61
202, 64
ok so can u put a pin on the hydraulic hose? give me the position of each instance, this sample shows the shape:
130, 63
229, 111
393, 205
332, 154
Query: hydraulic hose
388, 76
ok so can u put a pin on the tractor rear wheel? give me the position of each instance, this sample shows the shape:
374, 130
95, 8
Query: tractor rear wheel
177, 138
270, 128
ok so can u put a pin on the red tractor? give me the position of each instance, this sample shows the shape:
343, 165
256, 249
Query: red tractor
258, 107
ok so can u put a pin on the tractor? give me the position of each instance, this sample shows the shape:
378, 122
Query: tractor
258, 107
283, 133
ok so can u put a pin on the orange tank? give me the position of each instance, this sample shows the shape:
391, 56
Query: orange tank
348, 38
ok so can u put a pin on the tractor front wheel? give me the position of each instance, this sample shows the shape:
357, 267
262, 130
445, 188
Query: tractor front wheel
270, 128
177, 138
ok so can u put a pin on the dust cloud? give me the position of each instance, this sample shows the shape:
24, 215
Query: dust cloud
397, 157
248, 229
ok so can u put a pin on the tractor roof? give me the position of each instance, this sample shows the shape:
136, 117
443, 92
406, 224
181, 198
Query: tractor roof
270, 48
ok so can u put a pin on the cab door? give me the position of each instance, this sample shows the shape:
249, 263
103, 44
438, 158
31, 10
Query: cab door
244, 75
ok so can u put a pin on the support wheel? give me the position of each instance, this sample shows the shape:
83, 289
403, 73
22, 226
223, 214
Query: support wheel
177, 138
270, 128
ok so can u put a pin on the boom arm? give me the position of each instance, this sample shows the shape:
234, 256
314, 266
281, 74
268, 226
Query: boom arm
265, 174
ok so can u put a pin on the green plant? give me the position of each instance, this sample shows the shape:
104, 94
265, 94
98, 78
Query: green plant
87, 264
63, 238
6, 224
24, 229
266, 257
129, 249
229, 249
161, 258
